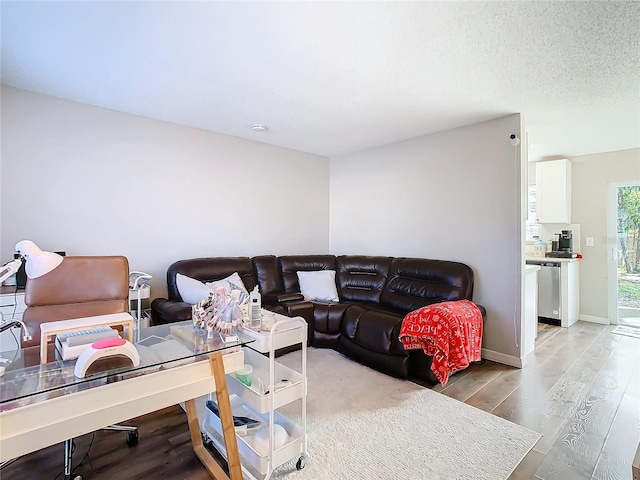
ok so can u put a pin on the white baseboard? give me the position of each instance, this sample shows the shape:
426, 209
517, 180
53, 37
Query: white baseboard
594, 319
503, 358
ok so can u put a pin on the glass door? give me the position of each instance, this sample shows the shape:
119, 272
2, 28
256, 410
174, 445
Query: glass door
624, 256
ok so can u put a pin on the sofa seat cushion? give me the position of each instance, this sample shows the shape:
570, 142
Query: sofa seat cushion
327, 321
371, 337
394, 365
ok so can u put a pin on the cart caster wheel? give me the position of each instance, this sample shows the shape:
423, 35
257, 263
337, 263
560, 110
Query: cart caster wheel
300, 464
132, 438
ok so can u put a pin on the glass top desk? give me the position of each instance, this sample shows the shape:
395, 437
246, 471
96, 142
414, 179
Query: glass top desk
45, 404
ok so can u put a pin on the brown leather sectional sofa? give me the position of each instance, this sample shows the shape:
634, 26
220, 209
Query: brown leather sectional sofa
375, 293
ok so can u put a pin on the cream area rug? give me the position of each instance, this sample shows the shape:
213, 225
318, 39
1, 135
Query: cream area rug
362, 424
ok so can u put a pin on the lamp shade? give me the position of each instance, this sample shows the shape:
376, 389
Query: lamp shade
38, 262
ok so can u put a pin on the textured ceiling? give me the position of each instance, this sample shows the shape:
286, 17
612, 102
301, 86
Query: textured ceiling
337, 77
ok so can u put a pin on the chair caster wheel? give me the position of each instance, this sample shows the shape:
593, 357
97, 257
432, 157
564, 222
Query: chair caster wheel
300, 464
132, 438
76, 477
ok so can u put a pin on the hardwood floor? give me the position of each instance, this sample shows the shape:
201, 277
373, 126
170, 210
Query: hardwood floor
164, 451
580, 390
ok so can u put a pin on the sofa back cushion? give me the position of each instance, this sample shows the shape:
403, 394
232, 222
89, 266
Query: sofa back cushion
416, 282
361, 278
291, 264
268, 274
209, 270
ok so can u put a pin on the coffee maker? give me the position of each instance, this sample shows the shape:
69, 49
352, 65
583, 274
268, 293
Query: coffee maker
563, 247
565, 242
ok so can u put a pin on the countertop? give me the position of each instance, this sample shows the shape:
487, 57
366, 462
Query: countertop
530, 268
536, 260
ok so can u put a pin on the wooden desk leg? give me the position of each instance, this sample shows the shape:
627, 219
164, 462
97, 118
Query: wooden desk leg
228, 430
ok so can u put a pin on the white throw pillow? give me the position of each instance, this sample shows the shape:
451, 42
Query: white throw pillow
232, 282
318, 285
192, 290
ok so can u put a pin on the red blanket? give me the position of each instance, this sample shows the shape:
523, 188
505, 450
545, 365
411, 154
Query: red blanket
451, 332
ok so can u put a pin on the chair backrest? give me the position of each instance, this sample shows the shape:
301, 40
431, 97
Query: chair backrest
81, 286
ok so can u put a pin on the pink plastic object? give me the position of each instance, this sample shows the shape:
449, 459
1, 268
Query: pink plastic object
108, 342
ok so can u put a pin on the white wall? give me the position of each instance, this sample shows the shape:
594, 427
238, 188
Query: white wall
590, 177
455, 195
93, 181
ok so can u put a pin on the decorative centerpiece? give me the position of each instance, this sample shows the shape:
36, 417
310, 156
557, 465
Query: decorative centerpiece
221, 312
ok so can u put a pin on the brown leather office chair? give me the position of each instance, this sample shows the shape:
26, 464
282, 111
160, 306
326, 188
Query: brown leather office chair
81, 286
78, 287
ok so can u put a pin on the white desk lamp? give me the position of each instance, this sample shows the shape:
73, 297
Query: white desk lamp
38, 264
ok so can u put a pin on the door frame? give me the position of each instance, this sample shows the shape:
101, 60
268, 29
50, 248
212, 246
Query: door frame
612, 245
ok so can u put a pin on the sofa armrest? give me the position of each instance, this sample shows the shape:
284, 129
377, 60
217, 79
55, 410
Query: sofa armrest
302, 309
168, 311
281, 297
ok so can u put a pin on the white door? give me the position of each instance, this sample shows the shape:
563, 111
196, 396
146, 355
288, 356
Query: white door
624, 253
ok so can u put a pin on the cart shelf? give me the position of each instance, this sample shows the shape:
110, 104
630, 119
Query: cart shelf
262, 398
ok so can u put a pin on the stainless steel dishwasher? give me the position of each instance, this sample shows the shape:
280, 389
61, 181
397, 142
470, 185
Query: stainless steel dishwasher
549, 292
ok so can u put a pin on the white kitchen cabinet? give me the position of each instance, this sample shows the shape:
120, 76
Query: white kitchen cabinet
553, 191
570, 292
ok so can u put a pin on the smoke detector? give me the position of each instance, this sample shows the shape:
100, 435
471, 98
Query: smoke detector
258, 128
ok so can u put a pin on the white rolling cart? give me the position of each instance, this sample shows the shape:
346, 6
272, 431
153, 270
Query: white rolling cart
262, 405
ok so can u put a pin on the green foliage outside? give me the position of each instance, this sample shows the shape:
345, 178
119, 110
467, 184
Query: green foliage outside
629, 227
629, 235
629, 289
628, 293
